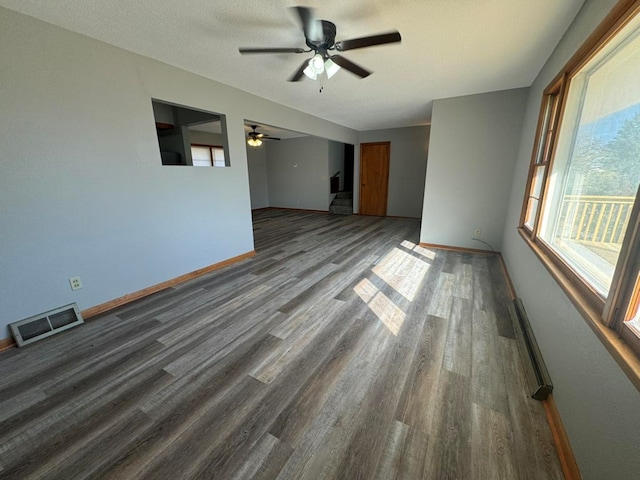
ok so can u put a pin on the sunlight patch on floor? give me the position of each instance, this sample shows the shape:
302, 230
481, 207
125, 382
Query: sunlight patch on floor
365, 290
425, 252
402, 271
388, 312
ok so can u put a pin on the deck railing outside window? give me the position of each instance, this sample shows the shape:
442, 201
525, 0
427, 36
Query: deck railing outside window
591, 219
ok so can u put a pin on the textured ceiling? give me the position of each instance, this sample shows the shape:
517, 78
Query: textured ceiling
215, 127
272, 131
449, 47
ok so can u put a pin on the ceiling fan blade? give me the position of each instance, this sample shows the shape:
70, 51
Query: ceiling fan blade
349, 65
271, 138
312, 27
245, 51
391, 37
300, 72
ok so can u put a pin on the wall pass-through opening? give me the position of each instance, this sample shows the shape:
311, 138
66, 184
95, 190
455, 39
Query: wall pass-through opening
190, 137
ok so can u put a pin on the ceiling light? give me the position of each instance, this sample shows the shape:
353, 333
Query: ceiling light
315, 67
331, 68
254, 142
310, 73
317, 64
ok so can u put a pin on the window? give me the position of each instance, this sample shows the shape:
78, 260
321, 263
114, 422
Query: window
207, 155
540, 166
581, 209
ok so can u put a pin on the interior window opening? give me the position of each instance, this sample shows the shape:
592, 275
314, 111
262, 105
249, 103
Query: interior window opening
190, 137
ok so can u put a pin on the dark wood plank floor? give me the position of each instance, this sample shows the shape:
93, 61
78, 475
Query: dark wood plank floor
341, 350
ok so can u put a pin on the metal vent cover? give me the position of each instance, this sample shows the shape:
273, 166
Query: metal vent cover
45, 324
536, 372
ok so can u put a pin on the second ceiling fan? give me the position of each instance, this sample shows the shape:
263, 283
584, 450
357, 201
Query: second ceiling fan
255, 138
320, 37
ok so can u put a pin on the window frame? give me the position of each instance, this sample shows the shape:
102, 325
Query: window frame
211, 154
604, 315
626, 281
548, 123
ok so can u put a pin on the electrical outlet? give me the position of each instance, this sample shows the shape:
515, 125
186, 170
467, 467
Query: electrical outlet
476, 233
75, 282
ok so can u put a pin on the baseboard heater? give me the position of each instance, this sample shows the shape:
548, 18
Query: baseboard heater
536, 372
45, 324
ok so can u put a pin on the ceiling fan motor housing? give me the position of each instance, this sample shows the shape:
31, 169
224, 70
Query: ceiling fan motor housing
328, 40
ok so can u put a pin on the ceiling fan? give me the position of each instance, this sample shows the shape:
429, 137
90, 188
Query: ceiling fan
255, 138
320, 36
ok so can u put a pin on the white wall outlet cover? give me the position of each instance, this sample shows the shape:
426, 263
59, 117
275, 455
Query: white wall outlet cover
75, 283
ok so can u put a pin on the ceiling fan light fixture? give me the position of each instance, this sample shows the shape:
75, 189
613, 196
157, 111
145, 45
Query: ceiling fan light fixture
309, 72
254, 142
317, 64
331, 68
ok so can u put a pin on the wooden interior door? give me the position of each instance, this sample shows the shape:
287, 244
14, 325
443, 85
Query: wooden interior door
374, 178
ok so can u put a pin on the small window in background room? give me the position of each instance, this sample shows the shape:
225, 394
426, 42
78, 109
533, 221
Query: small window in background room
207, 155
190, 137
581, 210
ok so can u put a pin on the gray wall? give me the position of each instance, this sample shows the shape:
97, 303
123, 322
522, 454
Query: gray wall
297, 173
82, 190
407, 164
258, 181
599, 406
473, 146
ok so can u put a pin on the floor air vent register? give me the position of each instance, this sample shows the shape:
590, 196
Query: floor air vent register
46, 324
536, 372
